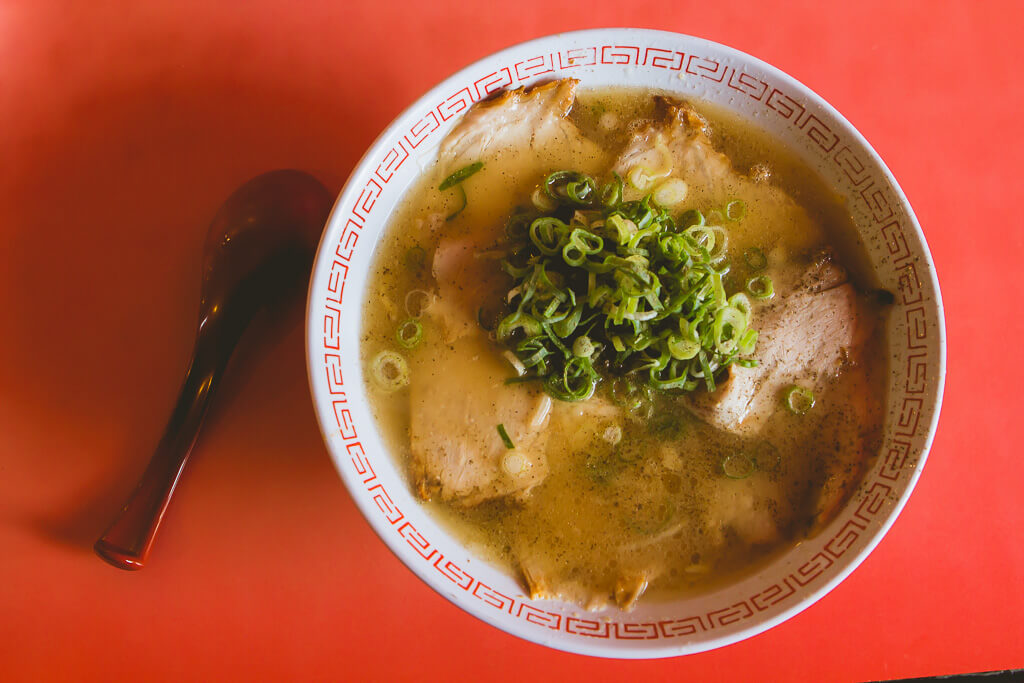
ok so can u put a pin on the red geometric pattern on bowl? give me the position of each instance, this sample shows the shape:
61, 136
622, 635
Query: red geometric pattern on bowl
876, 208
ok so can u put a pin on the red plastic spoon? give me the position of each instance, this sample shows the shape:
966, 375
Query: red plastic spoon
259, 249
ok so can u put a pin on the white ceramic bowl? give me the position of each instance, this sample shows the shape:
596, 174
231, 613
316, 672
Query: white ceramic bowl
692, 68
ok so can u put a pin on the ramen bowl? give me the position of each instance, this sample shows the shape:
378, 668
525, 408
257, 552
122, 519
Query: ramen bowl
690, 68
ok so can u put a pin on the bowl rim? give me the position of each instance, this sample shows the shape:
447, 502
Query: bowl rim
584, 646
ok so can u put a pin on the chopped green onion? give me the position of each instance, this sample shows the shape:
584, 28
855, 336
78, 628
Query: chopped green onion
417, 301
515, 464
721, 241
505, 438
738, 466
730, 324
705, 371
612, 434
583, 347
799, 400
576, 382
572, 187
755, 258
623, 227
517, 364
517, 321
611, 193
746, 346
415, 257
640, 178
460, 175
455, 180
682, 349
626, 394
735, 210
542, 201
741, 302
609, 289
389, 370
670, 192
462, 204
410, 333
761, 287
690, 217
547, 234
701, 237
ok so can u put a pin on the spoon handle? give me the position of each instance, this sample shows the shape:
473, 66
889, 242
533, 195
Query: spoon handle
127, 541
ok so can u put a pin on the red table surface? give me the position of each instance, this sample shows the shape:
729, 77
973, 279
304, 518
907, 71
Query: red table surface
123, 127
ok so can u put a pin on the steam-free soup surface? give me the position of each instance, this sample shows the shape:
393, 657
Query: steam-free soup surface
617, 497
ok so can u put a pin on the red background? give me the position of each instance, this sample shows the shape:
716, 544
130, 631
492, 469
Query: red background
123, 127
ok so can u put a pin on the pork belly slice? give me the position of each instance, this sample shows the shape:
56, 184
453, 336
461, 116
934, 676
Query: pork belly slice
520, 120
841, 463
746, 508
469, 278
684, 134
543, 582
674, 143
458, 397
805, 337
628, 589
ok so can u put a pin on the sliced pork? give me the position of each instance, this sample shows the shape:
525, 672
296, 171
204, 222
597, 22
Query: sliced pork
805, 337
468, 283
675, 144
458, 398
841, 460
520, 120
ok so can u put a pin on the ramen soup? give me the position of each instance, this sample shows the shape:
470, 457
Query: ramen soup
623, 345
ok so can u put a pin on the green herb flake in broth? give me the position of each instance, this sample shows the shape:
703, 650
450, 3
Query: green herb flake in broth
460, 175
738, 466
505, 437
761, 287
755, 258
415, 257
